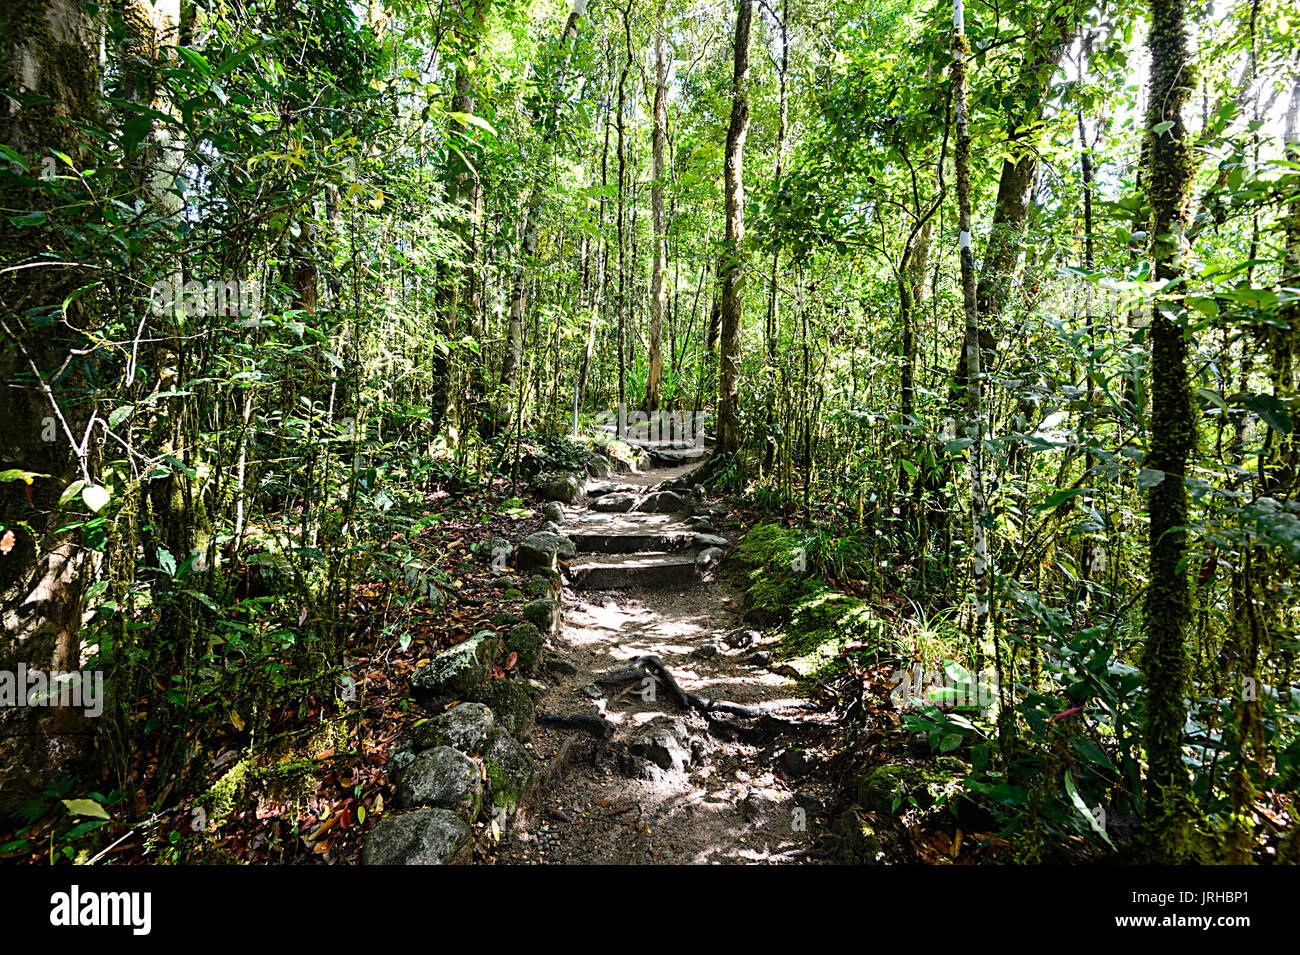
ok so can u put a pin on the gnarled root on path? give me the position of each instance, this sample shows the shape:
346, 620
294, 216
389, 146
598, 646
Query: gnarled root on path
653, 667
597, 726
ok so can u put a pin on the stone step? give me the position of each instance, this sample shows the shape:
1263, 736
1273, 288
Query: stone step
675, 456
629, 540
657, 444
583, 522
664, 444
627, 571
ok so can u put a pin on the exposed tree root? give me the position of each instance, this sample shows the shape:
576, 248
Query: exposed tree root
557, 764
796, 855
598, 727
652, 666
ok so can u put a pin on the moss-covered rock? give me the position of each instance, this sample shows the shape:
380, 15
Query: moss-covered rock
400, 758
598, 466
565, 488
526, 641
510, 704
859, 839
443, 778
544, 614
511, 772
468, 727
540, 587
455, 672
542, 550
503, 618
494, 549
426, 837
775, 570
888, 788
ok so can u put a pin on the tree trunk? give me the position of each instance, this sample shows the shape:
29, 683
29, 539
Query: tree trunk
532, 213
658, 285
731, 264
980, 517
773, 313
443, 411
51, 64
1168, 602
1094, 563
1015, 186
1043, 51
598, 291
621, 214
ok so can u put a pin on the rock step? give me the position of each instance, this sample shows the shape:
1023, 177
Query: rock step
625, 571
590, 522
589, 541
652, 445
677, 456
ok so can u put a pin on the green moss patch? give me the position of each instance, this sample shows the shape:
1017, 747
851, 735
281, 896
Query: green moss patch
818, 621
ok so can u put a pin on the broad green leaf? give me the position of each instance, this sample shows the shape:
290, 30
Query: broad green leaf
196, 60
86, 807
17, 474
30, 218
71, 491
1083, 809
468, 119
95, 497
1060, 497
1271, 411
1148, 478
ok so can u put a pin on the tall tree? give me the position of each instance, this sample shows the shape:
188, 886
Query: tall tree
658, 283
49, 58
531, 222
1173, 436
980, 516
772, 322
1045, 44
443, 412
731, 266
598, 297
621, 209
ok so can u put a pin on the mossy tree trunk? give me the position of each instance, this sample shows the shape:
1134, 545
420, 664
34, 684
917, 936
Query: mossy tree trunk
49, 60
598, 296
772, 323
1168, 599
980, 517
620, 211
1045, 45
